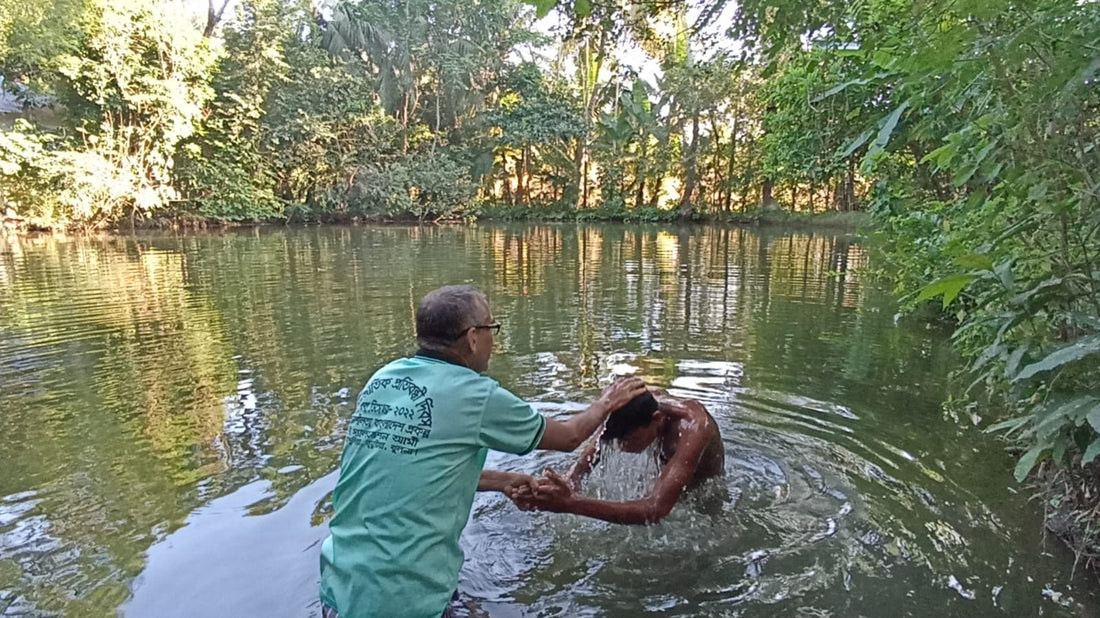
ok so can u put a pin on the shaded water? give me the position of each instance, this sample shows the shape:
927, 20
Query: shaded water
173, 408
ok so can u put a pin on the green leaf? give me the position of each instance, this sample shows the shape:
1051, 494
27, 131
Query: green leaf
991, 351
884, 133
543, 7
1010, 426
1084, 319
949, 286
1013, 363
1075, 351
975, 260
841, 87
859, 141
1027, 462
1091, 452
964, 174
1004, 274
1023, 297
882, 58
1059, 451
1056, 415
583, 8
942, 156
1093, 418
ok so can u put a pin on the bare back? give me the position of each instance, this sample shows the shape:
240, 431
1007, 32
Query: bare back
712, 461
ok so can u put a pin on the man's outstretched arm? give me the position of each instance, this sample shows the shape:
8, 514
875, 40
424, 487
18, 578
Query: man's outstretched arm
506, 482
568, 435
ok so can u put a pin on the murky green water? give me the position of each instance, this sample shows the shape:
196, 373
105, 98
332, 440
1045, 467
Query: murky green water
172, 409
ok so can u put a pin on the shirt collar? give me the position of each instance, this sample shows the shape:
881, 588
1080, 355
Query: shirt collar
439, 356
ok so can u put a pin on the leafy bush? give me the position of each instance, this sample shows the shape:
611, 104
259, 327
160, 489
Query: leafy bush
128, 89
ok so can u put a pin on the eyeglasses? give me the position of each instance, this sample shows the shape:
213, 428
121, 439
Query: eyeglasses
495, 327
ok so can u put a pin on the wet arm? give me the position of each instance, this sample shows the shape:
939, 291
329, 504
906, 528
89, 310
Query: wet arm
496, 480
588, 460
568, 435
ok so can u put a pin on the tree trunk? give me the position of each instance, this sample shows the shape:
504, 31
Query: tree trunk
213, 18
730, 170
766, 200
688, 196
579, 168
524, 188
640, 171
584, 182
507, 180
438, 97
850, 187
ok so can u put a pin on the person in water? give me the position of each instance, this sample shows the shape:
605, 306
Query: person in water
688, 449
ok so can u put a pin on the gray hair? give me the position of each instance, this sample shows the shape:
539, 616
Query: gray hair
446, 313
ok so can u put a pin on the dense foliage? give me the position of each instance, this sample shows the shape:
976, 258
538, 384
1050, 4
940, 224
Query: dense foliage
986, 172
300, 110
133, 87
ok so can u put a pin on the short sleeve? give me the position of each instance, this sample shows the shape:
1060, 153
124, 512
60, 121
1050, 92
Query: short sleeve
510, 424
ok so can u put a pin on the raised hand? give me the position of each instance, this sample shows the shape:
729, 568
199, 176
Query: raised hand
620, 392
658, 392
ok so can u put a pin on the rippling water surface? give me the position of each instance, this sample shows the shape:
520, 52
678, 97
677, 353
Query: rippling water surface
172, 409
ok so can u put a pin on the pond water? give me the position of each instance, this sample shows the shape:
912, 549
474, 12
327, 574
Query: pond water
173, 408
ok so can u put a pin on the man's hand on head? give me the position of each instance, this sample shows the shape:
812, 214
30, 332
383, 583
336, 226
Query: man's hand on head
620, 392
658, 392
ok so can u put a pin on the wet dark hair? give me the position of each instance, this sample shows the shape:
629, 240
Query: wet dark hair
637, 412
445, 313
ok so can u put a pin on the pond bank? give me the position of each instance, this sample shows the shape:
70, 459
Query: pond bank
830, 220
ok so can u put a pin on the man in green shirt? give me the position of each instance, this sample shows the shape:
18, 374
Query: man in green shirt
413, 459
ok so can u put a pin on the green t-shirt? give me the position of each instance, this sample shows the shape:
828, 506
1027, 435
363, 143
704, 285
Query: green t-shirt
412, 458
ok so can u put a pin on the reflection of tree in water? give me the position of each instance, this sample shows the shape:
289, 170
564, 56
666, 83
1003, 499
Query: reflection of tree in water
142, 378
130, 375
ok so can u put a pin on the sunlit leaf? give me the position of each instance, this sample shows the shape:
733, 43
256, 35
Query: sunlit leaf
941, 156
949, 287
975, 260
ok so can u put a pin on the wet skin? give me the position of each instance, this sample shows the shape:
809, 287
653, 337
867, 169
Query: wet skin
689, 452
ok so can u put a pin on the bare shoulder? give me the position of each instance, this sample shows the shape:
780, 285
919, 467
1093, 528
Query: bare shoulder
699, 420
692, 411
